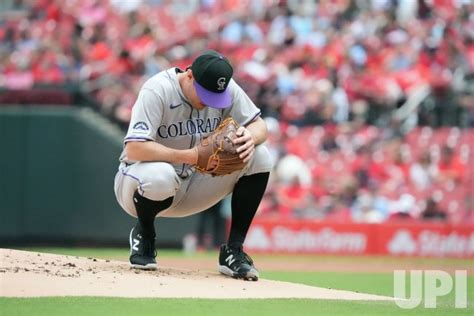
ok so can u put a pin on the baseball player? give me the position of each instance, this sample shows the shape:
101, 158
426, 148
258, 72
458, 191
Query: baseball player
157, 176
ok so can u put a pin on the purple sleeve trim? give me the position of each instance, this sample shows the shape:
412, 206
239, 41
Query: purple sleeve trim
137, 139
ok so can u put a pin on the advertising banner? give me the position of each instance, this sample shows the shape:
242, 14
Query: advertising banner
398, 239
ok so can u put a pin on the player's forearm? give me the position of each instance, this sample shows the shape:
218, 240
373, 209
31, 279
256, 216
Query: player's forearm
151, 151
258, 129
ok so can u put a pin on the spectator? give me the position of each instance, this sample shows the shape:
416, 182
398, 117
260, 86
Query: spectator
292, 169
404, 208
328, 142
432, 211
369, 207
450, 168
295, 199
423, 172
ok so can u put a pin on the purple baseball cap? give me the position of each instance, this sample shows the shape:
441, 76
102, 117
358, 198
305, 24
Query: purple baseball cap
212, 73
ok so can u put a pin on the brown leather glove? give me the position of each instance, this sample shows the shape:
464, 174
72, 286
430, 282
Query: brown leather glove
217, 154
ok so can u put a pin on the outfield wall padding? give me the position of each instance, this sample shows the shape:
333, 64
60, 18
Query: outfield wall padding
56, 183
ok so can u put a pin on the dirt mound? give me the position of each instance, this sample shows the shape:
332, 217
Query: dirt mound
31, 274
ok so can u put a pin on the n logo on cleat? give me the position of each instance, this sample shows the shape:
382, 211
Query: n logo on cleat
135, 244
230, 259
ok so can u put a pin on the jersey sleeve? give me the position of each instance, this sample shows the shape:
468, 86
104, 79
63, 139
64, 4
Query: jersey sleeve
243, 110
147, 114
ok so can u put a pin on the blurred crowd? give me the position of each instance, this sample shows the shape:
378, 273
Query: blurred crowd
332, 73
368, 174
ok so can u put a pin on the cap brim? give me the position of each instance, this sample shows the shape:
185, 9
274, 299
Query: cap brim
214, 100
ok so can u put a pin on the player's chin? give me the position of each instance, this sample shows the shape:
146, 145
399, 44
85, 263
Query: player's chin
196, 104
199, 106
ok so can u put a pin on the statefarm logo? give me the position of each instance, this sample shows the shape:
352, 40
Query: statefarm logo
326, 240
402, 243
431, 243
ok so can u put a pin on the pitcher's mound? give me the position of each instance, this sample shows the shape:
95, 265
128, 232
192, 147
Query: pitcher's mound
31, 274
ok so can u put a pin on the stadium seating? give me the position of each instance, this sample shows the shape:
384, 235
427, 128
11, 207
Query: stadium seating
329, 74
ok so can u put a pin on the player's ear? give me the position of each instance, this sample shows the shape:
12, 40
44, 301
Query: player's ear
189, 73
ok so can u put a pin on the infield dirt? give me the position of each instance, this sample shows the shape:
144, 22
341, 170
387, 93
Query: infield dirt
32, 274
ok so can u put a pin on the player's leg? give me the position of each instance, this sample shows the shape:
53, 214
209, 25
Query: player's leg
246, 197
201, 191
143, 190
142, 235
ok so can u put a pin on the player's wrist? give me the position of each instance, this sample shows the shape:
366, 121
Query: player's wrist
190, 156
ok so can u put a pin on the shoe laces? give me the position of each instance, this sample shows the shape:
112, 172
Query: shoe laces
241, 256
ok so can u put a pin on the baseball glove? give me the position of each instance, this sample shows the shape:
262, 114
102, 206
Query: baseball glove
217, 154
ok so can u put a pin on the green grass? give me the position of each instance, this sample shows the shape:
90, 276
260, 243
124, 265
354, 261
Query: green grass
377, 283
129, 307
72, 306
380, 283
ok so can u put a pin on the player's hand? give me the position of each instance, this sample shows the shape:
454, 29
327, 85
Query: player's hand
247, 144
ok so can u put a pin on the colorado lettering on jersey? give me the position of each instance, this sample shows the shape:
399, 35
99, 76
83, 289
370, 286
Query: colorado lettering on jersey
189, 127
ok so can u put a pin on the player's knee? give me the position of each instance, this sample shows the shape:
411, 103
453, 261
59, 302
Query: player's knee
262, 160
160, 181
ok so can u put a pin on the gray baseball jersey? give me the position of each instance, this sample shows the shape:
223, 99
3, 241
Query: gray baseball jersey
162, 114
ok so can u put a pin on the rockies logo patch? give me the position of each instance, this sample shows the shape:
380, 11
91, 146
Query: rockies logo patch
142, 126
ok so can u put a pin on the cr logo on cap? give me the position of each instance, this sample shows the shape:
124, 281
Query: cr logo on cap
221, 83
